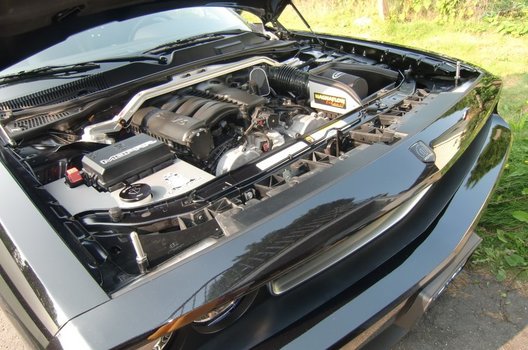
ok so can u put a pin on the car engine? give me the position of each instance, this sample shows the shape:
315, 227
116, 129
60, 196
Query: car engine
175, 137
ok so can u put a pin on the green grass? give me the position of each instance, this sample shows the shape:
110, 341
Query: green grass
504, 225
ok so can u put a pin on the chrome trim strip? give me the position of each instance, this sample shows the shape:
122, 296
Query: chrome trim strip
345, 248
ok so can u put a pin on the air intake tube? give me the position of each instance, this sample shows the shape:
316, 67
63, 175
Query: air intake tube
286, 78
334, 93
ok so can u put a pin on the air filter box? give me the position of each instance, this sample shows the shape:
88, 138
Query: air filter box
126, 161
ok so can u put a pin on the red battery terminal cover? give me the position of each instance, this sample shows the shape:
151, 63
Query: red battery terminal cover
74, 177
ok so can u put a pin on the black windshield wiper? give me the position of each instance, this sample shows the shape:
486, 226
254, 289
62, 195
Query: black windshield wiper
49, 70
68, 69
193, 40
133, 58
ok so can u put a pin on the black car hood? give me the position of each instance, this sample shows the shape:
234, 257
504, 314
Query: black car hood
29, 26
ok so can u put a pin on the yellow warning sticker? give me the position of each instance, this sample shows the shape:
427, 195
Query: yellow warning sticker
329, 100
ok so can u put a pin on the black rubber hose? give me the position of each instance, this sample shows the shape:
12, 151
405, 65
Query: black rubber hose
289, 79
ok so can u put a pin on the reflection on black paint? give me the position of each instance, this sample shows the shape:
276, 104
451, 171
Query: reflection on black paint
492, 155
287, 246
261, 254
468, 117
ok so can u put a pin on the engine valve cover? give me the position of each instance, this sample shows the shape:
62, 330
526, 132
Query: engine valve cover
177, 128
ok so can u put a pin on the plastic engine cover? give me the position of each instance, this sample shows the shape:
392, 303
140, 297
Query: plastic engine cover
126, 161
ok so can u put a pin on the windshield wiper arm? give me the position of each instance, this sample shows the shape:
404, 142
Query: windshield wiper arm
65, 70
193, 40
50, 70
133, 58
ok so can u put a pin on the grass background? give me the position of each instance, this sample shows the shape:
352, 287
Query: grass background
494, 41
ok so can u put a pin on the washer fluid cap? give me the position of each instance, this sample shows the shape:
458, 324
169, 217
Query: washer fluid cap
135, 193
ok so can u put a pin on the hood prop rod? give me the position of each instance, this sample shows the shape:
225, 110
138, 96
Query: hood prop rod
306, 24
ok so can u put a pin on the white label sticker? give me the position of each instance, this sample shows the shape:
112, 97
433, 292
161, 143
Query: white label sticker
176, 181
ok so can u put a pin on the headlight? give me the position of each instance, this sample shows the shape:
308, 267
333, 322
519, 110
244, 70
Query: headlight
216, 314
209, 318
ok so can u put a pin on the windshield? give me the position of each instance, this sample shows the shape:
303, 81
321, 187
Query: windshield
133, 36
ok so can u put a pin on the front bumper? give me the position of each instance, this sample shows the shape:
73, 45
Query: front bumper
354, 300
343, 307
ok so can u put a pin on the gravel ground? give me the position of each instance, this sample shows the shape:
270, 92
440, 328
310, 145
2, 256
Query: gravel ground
475, 312
9, 338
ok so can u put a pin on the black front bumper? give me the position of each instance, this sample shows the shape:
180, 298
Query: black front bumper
373, 295
344, 305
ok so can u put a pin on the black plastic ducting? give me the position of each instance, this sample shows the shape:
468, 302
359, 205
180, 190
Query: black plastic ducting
287, 78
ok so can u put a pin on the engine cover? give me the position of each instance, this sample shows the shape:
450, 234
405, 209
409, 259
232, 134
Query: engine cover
124, 161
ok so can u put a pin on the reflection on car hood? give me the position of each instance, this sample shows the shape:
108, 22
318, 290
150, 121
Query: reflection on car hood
29, 26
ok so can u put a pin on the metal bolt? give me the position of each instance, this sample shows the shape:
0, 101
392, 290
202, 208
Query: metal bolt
115, 213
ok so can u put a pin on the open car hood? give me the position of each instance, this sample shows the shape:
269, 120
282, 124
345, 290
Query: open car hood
29, 26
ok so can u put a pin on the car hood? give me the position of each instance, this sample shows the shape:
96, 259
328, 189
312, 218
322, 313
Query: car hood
29, 26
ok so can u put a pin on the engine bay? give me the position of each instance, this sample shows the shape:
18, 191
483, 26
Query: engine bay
167, 165
180, 140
